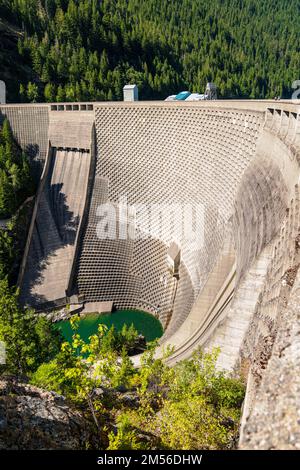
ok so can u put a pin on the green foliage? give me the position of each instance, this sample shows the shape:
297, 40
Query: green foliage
126, 437
199, 375
6, 194
152, 372
72, 372
200, 427
7, 253
81, 366
124, 373
15, 179
29, 339
12, 242
115, 340
201, 401
16, 185
46, 377
50, 92
32, 92
87, 50
193, 397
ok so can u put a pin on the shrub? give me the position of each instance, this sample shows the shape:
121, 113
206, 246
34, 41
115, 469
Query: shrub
126, 437
46, 377
29, 339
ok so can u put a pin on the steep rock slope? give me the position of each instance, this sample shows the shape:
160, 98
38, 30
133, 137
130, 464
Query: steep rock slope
31, 418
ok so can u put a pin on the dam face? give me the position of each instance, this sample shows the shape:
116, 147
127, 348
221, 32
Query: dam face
232, 167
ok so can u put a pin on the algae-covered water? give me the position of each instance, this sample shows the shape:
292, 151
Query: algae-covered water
144, 323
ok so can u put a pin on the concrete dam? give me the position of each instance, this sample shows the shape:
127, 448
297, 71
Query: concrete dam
237, 287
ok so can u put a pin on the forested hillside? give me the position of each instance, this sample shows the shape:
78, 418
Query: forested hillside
88, 49
15, 179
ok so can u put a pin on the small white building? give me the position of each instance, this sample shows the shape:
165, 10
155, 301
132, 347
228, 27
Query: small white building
2, 92
130, 93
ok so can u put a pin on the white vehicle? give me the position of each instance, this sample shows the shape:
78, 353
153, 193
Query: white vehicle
171, 98
196, 97
210, 94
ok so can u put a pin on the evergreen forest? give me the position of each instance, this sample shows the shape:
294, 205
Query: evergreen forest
70, 50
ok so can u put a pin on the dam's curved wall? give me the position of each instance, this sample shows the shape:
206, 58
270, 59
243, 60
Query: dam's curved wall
164, 156
235, 164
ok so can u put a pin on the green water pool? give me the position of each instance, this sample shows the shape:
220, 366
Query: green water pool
144, 323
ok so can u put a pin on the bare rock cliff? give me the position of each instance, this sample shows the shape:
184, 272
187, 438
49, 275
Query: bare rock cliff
31, 418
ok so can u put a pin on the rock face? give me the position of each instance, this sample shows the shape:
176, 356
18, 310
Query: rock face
274, 420
31, 418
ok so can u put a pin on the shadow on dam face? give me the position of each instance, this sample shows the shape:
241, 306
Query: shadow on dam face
238, 289
152, 153
162, 154
55, 228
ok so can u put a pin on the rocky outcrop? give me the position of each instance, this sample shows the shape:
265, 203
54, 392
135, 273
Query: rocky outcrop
274, 420
31, 418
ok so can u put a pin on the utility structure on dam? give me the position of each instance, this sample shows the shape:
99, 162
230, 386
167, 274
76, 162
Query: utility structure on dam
238, 288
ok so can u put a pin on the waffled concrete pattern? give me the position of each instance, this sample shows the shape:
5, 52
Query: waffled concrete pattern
265, 191
131, 273
52, 246
98, 258
259, 210
177, 155
280, 276
30, 128
233, 327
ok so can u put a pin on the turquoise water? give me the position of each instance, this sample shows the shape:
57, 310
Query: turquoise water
143, 322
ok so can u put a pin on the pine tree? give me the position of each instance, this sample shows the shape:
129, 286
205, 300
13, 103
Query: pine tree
6, 195
32, 92
50, 92
164, 46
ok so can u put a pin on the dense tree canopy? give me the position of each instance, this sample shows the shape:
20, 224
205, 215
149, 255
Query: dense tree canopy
29, 339
15, 179
88, 49
16, 185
